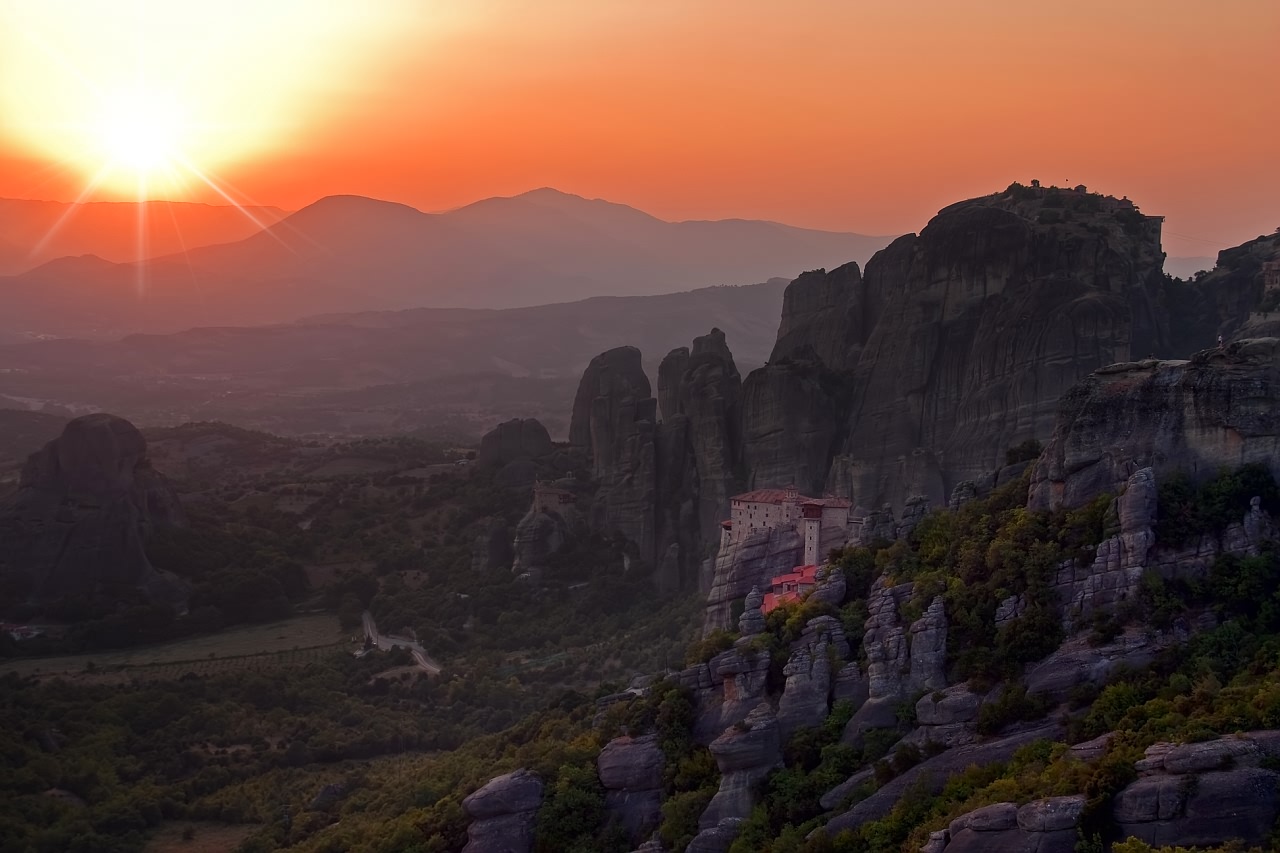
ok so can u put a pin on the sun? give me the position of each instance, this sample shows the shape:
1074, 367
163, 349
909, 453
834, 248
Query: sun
141, 133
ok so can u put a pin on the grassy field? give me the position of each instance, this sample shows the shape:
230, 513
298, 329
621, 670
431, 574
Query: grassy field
291, 642
205, 837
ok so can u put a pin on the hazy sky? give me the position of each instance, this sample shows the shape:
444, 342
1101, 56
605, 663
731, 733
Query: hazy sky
847, 114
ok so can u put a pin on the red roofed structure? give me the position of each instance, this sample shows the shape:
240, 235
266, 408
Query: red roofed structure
789, 587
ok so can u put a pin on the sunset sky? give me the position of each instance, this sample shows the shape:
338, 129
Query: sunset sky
847, 114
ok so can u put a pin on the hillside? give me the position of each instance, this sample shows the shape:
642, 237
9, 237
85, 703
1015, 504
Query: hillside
347, 253
381, 372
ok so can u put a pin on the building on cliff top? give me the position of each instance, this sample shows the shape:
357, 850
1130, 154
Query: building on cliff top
789, 587
768, 509
550, 499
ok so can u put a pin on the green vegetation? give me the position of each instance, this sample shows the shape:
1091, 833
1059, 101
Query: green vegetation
337, 753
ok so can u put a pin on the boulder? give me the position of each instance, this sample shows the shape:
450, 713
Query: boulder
503, 813
1042, 826
630, 770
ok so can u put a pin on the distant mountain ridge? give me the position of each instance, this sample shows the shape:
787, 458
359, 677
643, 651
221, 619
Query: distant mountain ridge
379, 371
36, 232
350, 254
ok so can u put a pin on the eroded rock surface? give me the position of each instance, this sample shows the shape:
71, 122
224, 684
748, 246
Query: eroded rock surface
630, 770
503, 813
1216, 410
78, 524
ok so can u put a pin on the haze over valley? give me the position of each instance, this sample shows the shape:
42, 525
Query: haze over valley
865, 439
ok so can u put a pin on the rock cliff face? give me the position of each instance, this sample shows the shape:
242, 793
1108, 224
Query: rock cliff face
708, 393
825, 315
503, 814
630, 770
78, 524
666, 486
745, 754
1217, 409
980, 324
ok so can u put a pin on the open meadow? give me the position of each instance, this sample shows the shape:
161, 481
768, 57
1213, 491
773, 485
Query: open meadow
290, 642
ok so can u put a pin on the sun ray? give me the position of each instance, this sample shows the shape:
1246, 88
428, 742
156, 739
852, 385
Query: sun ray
67, 215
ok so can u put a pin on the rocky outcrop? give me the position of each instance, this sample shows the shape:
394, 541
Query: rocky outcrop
729, 687
1078, 661
709, 393
664, 485
745, 754
630, 770
503, 813
823, 314
932, 774
1203, 793
718, 838
1043, 826
751, 622
1215, 410
1119, 562
78, 524
813, 674
754, 561
512, 441
914, 511
901, 660
539, 536
980, 324
946, 717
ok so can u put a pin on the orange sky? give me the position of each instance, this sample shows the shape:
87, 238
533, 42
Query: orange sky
848, 114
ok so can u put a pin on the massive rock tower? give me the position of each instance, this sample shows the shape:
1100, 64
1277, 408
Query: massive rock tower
77, 526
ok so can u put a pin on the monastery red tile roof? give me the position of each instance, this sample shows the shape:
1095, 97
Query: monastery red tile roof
762, 496
777, 496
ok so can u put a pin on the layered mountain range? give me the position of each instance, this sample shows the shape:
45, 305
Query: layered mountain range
349, 253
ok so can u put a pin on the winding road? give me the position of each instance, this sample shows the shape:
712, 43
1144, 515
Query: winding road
387, 642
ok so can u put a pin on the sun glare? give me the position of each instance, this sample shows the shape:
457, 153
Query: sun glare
140, 132
160, 98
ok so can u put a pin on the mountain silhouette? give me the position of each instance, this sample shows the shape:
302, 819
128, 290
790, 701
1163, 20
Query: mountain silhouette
350, 254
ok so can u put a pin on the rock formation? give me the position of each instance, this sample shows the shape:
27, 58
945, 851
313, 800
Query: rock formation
754, 561
1203, 793
630, 770
78, 524
708, 393
665, 486
901, 660
745, 754
503, 814
805, 699
1216, 410
751, 622
492, 550
1045, 826
793, 411
512, 441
